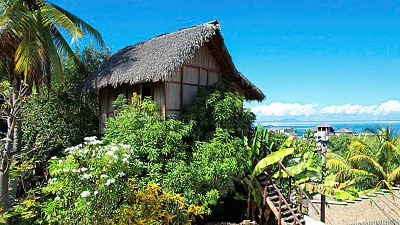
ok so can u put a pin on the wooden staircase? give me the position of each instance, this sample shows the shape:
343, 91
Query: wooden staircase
289, 206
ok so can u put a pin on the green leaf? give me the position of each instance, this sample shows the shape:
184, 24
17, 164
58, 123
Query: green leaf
272, 159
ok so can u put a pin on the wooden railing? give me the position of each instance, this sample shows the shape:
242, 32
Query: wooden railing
302, 194
282, 201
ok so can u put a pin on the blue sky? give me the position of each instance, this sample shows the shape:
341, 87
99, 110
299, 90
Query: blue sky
337, 57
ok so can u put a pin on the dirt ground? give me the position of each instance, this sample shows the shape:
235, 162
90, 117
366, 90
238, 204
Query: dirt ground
384, 207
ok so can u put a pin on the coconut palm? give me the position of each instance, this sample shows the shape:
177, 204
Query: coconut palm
31, 43
372, 161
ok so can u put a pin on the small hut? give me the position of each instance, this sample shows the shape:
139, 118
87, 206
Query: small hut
170, 68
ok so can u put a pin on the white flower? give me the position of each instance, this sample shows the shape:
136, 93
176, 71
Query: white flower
114, 148
70, 150
60, 161
95, 192
127, 155
65, 170
54, 157
110, 153
121, 174
110, 181
85, 194
90, 139
57, 198
75, 170
83, 169
103, 176
86, 176
125, 160
97, 142
126, 146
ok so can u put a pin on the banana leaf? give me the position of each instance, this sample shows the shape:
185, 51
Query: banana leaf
271, 159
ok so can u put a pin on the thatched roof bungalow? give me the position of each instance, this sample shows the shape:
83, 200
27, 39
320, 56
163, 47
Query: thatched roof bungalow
170, 68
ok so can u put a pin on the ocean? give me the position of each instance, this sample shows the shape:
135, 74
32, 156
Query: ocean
301, 127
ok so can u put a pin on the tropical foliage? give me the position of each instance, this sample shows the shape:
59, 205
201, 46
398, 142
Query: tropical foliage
219, 109
31, 42
96, 183
371, 161
31, 37
202, 170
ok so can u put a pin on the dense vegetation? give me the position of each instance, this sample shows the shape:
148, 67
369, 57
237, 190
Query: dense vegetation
145, 169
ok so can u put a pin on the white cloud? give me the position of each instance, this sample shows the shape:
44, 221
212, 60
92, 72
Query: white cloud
279, 109
391, 106
348, 109
284, 109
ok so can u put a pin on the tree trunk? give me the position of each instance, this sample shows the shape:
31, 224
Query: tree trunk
17, 128
6, 162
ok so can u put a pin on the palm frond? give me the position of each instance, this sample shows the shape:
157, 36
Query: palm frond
52, 16
349, 174
83, 26
337, 165
54, 59
394, 175
62, 45
367, 162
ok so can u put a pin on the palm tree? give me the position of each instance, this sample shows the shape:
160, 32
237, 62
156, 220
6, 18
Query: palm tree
31, 43
372, 161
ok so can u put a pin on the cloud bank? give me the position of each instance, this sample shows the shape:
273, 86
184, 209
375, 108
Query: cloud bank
386, 110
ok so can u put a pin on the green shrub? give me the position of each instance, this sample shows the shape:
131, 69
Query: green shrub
96, 184
219, 108
155, 206
53, 120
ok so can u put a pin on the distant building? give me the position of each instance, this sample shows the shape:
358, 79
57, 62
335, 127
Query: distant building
287, 131
343, 131
323, 131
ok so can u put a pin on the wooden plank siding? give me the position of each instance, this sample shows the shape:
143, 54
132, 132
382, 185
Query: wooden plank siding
200, 71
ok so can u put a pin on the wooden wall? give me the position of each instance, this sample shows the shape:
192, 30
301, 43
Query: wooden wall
109, 94
201, 70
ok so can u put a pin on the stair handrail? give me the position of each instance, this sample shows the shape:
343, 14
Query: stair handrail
290, 176
263, 144
282, 198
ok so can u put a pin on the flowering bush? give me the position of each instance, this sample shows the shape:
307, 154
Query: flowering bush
155, 206
99, 182
94, 184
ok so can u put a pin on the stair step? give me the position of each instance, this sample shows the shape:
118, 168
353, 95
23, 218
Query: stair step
283, 207
292, 217
273, 198
302, 221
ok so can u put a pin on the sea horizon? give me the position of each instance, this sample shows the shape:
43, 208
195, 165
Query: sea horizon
355, 126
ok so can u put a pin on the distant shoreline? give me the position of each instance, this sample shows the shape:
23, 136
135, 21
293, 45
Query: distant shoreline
332, 122
354, 126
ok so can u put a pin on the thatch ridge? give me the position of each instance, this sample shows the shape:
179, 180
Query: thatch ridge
158, 58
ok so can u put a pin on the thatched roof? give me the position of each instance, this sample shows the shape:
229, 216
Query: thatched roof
157, 59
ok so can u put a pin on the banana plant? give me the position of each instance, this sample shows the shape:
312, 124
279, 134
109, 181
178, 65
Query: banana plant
267, 151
